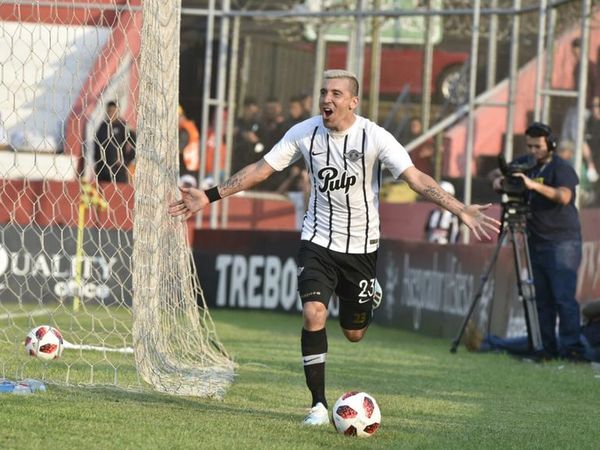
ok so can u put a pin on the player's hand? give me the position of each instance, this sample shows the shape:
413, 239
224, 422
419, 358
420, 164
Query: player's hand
192, 201
480, 224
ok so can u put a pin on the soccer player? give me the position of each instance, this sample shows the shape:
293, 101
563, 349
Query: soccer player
344, 153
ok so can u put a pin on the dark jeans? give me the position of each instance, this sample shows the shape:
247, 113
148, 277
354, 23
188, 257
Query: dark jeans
555, 266
519, 346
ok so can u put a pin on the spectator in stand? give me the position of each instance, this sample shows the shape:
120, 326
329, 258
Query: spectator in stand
114, 147
569, 126
213, 172
295, 182
443, 227
273, 123
248, 147
592, 147
307, 102
273, 127
296, 186
295, 112
422, 156
566, 150
189, 150
592, 79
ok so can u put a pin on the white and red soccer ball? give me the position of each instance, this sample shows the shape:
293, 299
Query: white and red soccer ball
356, 414
44, 342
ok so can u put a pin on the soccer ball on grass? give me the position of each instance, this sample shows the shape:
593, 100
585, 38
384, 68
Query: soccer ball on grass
44, 342
356, 414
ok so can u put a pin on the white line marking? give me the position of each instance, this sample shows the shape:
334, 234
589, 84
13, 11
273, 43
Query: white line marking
16, 315
97, 348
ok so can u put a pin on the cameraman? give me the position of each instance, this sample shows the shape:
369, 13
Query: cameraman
554, 235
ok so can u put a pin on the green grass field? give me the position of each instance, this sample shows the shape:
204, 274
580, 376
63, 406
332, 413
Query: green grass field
429, 399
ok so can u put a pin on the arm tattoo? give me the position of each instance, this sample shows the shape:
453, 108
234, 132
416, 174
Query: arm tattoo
234, 184
244, 179
434, 193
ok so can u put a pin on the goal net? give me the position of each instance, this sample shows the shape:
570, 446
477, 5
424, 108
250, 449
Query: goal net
88, 163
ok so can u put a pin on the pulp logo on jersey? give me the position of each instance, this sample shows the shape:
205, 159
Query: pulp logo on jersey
333, 182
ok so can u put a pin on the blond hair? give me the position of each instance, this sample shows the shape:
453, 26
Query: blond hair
338, 73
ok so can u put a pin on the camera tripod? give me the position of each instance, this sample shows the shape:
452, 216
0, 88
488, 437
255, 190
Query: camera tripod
513, 226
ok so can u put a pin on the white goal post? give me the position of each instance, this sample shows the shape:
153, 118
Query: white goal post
86, 244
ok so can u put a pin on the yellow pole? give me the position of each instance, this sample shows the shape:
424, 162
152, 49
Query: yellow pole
79, 253
89, 197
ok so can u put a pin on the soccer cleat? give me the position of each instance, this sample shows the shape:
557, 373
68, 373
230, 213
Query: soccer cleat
377, 295
317, 415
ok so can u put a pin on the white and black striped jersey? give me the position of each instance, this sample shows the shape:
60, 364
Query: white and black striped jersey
442, 227
345, 170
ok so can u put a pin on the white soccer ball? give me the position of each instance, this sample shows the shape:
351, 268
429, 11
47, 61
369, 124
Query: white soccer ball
44, 342
356, 414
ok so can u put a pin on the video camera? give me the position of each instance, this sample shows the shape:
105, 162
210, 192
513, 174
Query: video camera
512, 185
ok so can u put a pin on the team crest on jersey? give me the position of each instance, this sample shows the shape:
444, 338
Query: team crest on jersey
353, 155
333, 180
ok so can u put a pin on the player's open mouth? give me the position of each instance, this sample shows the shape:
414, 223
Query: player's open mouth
327, 112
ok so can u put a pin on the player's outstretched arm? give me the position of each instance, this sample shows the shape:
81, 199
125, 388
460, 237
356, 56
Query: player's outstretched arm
194, 200
472, 216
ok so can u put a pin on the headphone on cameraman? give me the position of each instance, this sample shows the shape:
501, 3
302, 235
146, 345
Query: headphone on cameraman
539, 129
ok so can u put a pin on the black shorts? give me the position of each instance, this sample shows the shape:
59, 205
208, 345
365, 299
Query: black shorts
321, 272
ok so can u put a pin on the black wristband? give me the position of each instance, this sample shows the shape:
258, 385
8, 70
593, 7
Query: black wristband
213, 194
